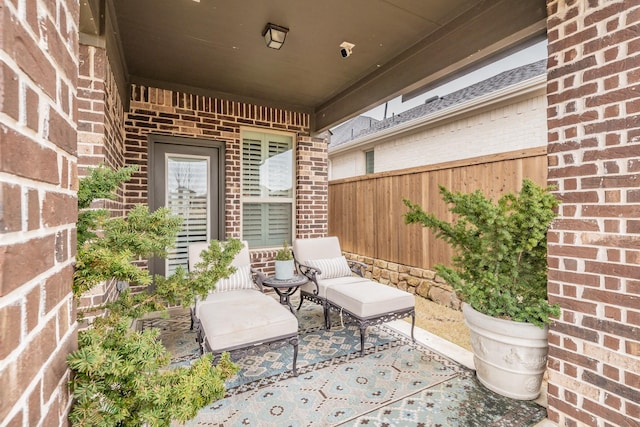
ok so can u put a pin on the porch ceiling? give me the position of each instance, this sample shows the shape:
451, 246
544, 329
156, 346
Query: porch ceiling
401, 47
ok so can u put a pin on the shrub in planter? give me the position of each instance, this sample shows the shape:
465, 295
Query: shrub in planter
500, 271
500, 261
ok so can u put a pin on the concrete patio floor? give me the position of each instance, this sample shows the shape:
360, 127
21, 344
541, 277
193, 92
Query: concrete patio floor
457, 354
454, 353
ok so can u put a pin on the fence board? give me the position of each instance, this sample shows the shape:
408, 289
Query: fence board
367, 213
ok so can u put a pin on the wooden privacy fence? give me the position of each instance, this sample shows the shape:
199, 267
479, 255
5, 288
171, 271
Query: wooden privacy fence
367, 213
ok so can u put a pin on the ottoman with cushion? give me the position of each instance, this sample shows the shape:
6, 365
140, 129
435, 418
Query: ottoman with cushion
338, 284
237, 315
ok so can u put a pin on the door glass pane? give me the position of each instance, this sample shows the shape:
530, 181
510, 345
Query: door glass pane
188, 197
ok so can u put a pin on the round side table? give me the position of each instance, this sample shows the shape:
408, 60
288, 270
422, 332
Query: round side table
285, 288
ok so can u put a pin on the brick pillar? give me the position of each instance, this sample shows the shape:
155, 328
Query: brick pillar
100, 140
312, 192
594, 245
100, 112
38, 180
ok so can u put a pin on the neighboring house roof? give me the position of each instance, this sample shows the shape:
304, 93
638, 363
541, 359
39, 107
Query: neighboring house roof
351, 128
432, 105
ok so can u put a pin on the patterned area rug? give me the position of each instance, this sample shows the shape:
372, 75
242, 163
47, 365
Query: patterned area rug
397, 383
264, 365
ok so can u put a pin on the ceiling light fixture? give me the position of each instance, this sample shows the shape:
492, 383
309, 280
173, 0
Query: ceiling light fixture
274, 35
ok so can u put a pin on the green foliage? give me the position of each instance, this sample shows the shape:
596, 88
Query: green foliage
101, 183
215, 264
123, 240
120, 376
500, 261
108, 246
284, 254
95, 264
142, 232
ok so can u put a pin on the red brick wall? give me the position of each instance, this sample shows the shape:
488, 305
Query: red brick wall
100, 112
38, 179
594, 246
168, 112
100, 138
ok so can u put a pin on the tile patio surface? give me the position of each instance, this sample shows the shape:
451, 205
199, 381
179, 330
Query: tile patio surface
396, 383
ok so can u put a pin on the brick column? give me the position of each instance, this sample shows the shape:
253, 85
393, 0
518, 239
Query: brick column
38, 180
100, 113
100, 140
312, 192
594, 245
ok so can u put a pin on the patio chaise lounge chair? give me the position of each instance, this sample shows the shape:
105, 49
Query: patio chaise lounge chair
237, 315
333, 285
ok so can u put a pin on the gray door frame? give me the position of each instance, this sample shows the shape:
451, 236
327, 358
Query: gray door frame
218, 217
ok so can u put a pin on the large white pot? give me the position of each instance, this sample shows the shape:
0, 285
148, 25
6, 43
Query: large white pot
510, 357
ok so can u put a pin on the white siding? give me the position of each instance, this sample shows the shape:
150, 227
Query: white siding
347, 164
511, 126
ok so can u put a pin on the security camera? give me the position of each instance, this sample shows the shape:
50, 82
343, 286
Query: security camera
346, 49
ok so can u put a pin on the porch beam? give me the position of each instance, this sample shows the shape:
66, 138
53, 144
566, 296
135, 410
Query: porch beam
491, 29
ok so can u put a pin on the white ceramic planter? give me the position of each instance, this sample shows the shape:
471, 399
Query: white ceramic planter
284, 269
510, 357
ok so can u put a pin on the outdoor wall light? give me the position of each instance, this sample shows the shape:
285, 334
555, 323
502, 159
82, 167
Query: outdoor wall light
274, 35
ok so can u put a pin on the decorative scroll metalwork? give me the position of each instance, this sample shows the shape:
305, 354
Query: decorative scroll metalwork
364, 323
253, 349
357, 267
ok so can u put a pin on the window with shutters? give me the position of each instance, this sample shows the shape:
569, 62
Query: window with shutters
267, 188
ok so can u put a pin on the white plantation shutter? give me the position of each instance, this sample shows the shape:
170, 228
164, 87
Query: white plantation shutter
267, 188
266, 224
279, 223
187, 197
276, 173
251, 159
253, 222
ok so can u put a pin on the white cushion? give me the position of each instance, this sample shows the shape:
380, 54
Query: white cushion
316, 248
324, 284
243, 317
370, 299
331, 268
241, 279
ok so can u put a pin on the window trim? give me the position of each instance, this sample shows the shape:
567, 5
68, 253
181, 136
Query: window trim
262, 199
373, 162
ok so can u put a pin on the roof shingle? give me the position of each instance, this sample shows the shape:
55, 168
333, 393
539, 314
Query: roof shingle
354, 128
